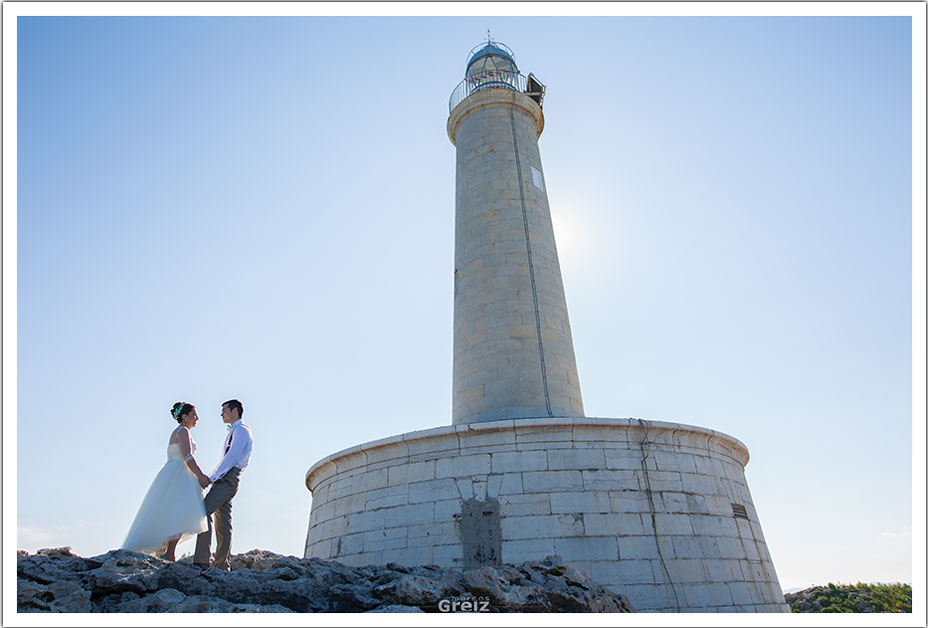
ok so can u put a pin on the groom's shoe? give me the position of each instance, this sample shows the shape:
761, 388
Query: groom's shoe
201, 566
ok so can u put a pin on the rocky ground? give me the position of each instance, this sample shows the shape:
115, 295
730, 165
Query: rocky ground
55, 580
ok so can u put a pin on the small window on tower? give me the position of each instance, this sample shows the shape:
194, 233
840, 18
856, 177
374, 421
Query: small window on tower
536, 179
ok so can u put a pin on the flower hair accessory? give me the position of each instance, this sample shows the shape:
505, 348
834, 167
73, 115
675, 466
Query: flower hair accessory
176, 412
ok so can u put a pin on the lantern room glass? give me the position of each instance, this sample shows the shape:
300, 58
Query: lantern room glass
492, 66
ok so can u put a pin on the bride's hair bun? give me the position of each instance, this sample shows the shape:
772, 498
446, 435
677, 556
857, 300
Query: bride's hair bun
179, 409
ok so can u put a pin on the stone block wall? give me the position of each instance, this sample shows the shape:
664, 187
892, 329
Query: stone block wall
660, 512
513, 351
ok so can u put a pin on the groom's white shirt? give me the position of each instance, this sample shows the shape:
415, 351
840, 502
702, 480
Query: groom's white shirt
239, 451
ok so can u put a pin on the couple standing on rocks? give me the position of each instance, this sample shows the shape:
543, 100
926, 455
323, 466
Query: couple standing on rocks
174, 508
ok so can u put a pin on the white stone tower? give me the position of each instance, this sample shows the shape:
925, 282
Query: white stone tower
658, 511
513, 353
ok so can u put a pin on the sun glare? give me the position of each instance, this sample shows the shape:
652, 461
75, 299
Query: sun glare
563, 234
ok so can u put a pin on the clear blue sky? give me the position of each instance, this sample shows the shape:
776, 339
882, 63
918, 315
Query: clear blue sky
262, 208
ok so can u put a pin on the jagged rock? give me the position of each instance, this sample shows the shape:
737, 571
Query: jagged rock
56, 597
159, 602
122, 571
173, 601
56, 580
184, 577
55, 551
396, 608
413, 589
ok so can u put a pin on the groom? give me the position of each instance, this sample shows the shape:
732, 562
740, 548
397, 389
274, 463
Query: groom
236, 453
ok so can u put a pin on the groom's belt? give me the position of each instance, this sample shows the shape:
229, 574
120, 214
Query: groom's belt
235, 470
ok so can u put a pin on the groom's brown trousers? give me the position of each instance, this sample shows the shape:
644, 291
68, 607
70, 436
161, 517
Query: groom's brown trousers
218, 501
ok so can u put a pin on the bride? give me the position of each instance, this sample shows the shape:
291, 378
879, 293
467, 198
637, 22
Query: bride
173, 509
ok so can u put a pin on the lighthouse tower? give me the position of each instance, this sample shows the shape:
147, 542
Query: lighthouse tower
513, 353
657, 511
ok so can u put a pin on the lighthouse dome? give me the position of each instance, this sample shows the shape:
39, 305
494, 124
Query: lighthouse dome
491, 59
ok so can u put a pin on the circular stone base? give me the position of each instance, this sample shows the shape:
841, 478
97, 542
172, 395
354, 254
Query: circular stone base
659, 512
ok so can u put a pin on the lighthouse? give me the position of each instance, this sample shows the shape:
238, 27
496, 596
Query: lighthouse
658, 511
513, 352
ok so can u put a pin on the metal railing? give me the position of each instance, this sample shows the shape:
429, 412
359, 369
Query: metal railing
488, 80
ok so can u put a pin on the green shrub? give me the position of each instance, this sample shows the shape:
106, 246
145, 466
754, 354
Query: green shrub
847, 598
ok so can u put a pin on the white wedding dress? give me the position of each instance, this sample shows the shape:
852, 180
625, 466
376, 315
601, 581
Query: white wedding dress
172, 508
